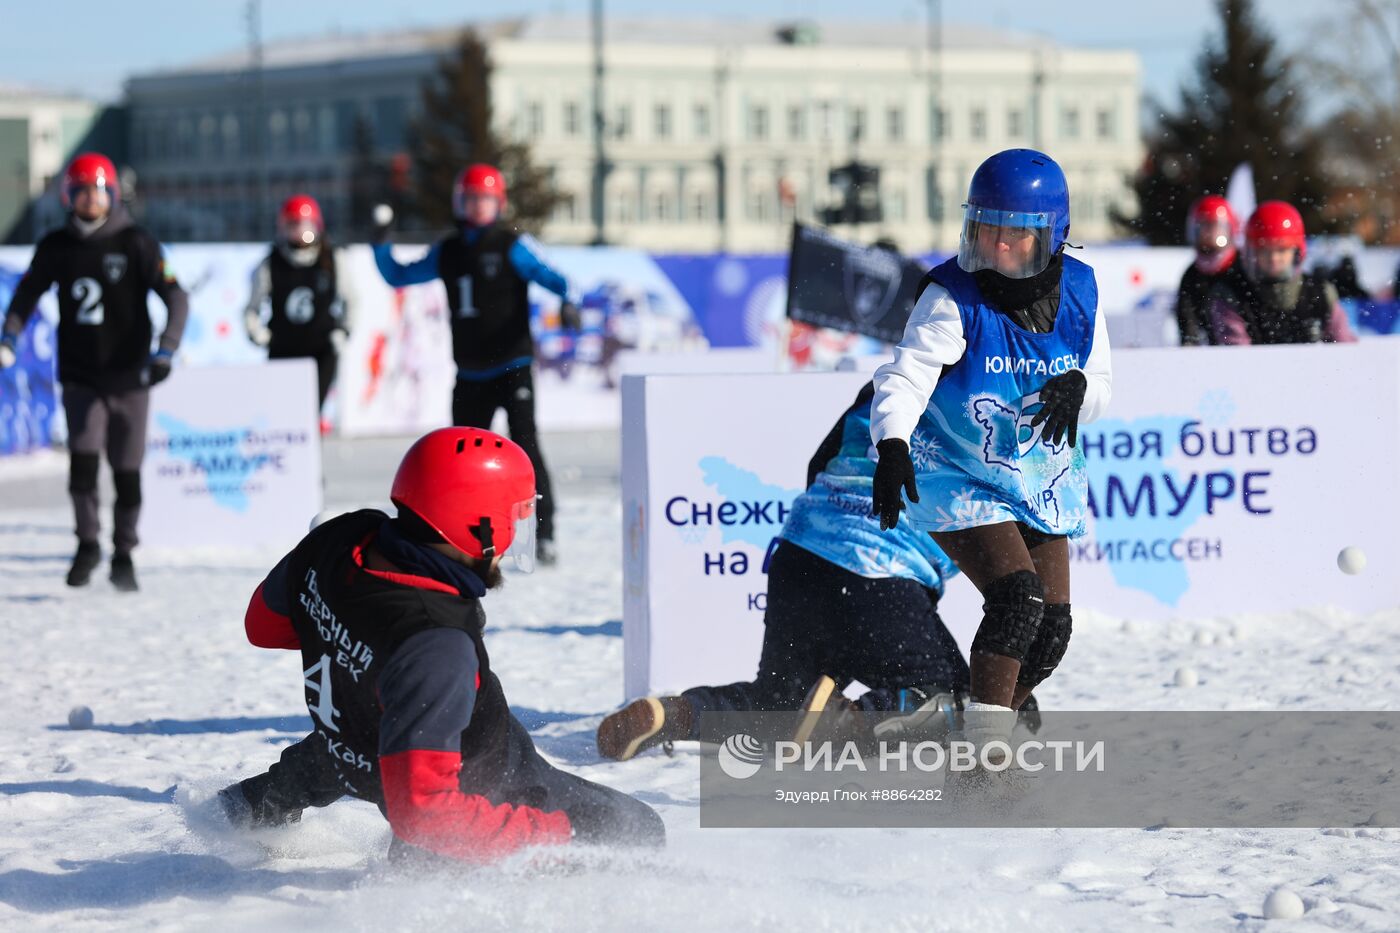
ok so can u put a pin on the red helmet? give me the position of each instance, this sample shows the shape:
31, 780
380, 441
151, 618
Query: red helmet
1213, 216
90, 170
471, 486
1276, 223
300, 214
479, 178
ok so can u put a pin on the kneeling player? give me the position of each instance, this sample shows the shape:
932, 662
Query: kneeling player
846, 602
407, 712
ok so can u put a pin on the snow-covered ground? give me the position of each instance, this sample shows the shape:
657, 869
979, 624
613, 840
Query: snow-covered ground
102, 828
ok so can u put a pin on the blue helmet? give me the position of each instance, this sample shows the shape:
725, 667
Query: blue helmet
1015, 190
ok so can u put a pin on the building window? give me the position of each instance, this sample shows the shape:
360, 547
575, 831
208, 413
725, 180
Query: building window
797, 122
622, 121
699, 206
760, 206
1015, 123
390, 122
303, 139
347, 118
208, 129
228, 129
826, 124
857, 123
701, 117
566, 211
894, 124
938, 124
758, 123
896, 205
933, 196
622, 207
325, 129
534, 120
573, 119
1105, 124
1069, 123
977, 124
661, 121
277, 132
662, 207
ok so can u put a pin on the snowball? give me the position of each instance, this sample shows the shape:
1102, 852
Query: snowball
1351, 560
1283, 904
80, 717
1186, 677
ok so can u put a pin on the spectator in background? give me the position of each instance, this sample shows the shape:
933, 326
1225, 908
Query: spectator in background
1347, 282
1213, 229
1274, 301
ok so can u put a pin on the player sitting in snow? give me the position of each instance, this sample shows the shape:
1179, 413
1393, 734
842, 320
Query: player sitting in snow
845, 603
407, 712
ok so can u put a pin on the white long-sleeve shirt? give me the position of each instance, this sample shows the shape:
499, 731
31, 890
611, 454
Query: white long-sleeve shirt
933, 339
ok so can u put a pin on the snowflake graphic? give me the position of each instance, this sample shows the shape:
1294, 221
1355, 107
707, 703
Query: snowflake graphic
874, 560
968, 510
1216, 407
692, 534
924, 451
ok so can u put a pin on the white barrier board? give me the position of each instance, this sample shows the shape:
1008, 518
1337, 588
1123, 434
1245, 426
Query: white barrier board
233, 457
1223, 480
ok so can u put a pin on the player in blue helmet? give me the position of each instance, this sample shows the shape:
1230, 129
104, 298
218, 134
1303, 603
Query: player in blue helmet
976, 421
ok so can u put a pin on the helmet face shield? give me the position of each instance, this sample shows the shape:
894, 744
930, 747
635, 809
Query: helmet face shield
1015, 244
524, 521
1210, 236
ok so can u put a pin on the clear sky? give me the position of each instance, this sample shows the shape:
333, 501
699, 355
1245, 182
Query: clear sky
91, 47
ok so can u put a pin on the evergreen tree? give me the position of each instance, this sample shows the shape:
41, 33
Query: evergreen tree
456, 129
1240, 106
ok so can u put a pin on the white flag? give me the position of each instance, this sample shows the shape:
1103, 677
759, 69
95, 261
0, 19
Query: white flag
1240, 194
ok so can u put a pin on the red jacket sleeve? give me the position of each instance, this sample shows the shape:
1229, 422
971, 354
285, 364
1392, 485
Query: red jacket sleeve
426, 808
267, 628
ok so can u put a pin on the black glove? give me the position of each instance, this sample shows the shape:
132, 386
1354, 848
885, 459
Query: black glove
1060, 400
569, 317
158, 367
894, 473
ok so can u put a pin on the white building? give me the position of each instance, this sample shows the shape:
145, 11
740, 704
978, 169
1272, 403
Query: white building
718, 133
39, 131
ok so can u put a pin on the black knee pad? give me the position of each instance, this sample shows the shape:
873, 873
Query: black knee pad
128, 486
1011, 615
82, 471
1049, 646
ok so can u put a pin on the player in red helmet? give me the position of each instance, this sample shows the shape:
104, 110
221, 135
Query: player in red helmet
1274, 301
1214, 231
487, 267
408, 715
104, 266
307, 292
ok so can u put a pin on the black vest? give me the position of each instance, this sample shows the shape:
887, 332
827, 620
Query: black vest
304, 308
1306, 322
349, 623
489, 300
104, 327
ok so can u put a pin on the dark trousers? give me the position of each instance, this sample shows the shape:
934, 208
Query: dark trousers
304, 776
474, 404
114, 422
823, 619
327, 361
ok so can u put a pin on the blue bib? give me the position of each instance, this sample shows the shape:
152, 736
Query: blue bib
832, 519
978, 460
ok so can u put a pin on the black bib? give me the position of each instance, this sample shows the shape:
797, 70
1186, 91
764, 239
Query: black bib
349, 623
489, 300
1306, 322
104, 327
304, 308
